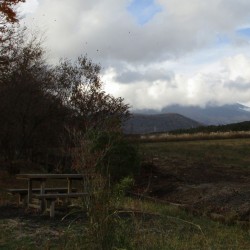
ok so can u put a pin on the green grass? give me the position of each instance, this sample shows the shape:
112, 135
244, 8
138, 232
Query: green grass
231, 152
175, 229
157, 227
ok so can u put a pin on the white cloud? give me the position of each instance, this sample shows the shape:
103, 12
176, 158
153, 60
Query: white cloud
28, 7
188, 53
227, 81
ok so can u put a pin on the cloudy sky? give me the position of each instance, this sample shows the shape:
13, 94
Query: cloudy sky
154, 53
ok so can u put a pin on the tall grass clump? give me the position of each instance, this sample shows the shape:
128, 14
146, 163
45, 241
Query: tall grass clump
108, 164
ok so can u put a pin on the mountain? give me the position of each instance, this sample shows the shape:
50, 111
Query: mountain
143, 124
209, 115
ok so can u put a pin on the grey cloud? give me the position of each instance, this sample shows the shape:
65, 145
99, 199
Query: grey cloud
150, 75
142, 56
238, 85
223, 83
183, 26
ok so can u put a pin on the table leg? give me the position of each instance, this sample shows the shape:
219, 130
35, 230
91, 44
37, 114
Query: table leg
69, 185
29, 191
42, 186
42, 191
69, 188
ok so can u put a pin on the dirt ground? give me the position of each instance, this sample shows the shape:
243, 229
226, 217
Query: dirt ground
222, 193
201, 187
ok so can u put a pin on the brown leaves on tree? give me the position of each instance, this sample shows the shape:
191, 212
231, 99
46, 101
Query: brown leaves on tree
8, 17
7, 10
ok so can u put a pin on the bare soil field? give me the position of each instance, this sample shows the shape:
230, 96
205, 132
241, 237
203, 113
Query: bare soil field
203, 185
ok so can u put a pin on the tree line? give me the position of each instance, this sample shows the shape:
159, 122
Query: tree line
42, 105
232, 127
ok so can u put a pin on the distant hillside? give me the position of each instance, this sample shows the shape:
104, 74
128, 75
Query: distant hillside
235, 127
143, 124
210, 115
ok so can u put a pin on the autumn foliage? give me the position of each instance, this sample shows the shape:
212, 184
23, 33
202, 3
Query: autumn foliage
8, 21
7, 10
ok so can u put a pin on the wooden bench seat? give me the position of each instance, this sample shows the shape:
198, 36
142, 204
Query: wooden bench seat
37, 190
51, 198
22, 192
62, 195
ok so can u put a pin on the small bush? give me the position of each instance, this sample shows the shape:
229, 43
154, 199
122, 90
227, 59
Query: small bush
120, 159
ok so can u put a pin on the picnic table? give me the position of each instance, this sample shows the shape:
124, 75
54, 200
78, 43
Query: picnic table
47, 195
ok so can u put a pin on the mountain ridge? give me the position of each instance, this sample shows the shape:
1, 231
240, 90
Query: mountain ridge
209, 115
155, 123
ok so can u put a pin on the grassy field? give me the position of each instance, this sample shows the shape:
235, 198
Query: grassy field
230, 152
155, 227
141, 224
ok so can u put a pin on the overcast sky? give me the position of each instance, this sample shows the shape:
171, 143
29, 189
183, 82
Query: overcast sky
154, 53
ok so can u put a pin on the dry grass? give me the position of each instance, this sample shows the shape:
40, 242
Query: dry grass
165, 137
230, 152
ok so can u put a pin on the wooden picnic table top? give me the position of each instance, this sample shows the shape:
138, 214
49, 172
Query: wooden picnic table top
49, 176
